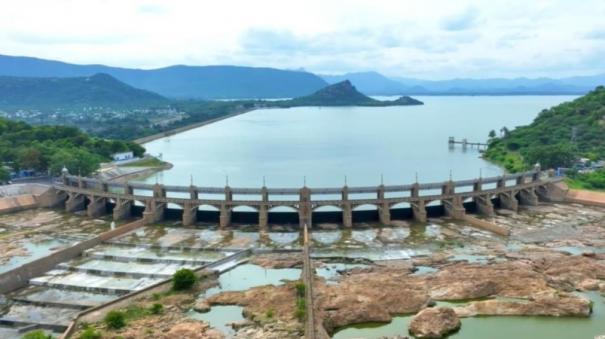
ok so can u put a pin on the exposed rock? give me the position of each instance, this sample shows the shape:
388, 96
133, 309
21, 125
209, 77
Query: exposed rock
561, 305
236, 325
193, 330
201, 306
434, 322
278, 260
256, 301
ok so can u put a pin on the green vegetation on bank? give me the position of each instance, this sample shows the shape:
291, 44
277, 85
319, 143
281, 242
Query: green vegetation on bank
589, 181
556, 138
44, 148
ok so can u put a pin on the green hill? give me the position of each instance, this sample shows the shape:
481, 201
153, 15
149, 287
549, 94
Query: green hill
557, 137
97, 90
344, 94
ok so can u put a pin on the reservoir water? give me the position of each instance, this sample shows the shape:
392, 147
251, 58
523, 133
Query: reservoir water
325, 144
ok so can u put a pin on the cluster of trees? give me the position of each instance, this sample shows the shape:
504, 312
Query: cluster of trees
556, 138
49, 148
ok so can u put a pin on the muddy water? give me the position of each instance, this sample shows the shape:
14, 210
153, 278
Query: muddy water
28, 235
246, 276
502, 327
220, 316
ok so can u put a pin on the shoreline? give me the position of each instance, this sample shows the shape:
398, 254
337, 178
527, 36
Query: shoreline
157, 136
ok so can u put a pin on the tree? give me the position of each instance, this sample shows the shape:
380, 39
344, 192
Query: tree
30, 158
4, 174
492, 134
552, 156
75, 160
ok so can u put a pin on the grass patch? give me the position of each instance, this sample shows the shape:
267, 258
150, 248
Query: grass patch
115, 320
90, 333
37, 334
146, 162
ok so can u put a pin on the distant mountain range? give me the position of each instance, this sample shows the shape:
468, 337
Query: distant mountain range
96, 90
236, 82
199, 82
372, 83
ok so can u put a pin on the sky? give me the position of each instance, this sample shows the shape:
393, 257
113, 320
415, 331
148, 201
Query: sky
429, 39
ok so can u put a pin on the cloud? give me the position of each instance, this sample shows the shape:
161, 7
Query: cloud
430, 39
597, 34
67, 39
461, 21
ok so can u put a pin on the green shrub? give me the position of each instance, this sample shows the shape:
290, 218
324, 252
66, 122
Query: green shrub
115, 320
90, 333
37, 334
156, 309
269, 313
183, 279
156, 296
300, 289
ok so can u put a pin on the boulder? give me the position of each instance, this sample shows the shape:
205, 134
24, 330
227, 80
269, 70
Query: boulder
201, 306
434, 322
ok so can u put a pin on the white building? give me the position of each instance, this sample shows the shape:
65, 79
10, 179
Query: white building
122, 156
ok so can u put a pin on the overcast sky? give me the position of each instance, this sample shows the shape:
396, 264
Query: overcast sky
429, 38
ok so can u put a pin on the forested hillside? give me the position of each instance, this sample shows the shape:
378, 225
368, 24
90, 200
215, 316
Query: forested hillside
557, 137
43, 148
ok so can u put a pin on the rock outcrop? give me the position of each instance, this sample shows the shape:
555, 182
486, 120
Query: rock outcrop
434, 322
554, 305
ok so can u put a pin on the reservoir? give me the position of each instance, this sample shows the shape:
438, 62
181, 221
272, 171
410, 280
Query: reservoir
322, 145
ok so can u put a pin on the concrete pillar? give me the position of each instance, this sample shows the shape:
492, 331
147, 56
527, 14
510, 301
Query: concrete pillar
484, 205
508, 201
75, 202
483, 202
347, 209
419, 210
419, 206
384, 209
263, 210
122, 209
189, 214
552, 192
97, 207
454, 208
527, 196
193, 193
263, 217
52, 198
154, 211
225, 209
305, 209
347, 215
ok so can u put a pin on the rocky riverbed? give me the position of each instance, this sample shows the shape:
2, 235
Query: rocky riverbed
30, 234
374, 275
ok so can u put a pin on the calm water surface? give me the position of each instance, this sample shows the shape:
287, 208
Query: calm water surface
325, 144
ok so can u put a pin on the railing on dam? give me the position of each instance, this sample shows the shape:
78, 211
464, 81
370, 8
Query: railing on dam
510, 188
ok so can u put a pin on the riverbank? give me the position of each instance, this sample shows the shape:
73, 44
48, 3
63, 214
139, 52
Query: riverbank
189, 127
134, 170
